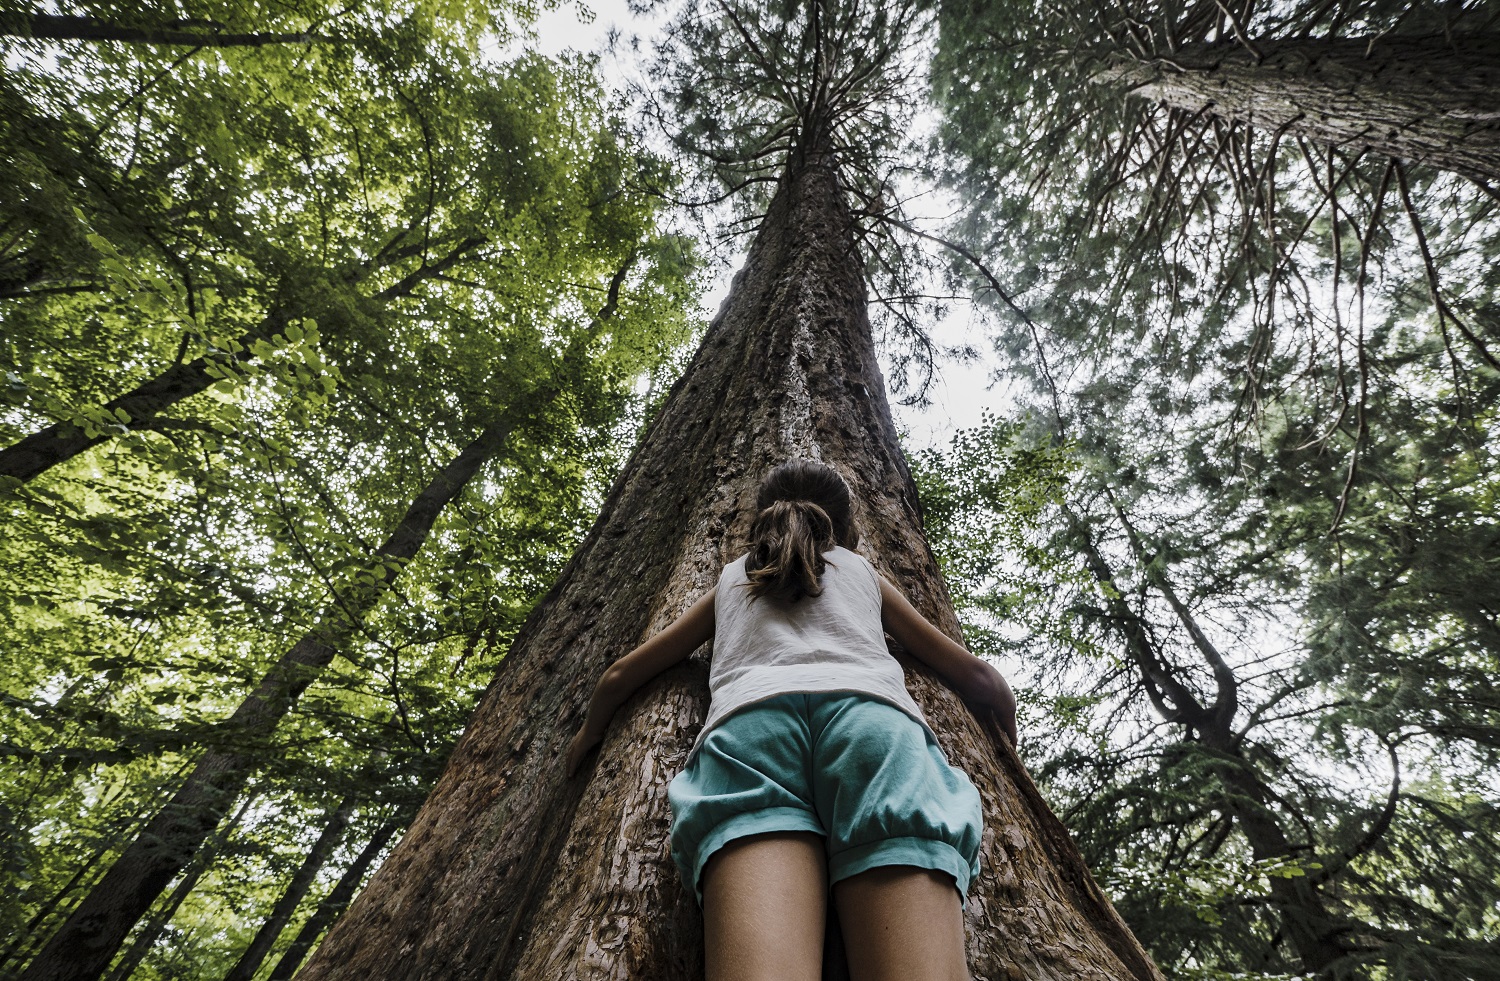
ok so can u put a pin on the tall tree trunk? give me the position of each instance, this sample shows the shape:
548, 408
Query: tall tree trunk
45, 448
151, 932
512, 871
1434, 99
84, 945
291, 897
335, 902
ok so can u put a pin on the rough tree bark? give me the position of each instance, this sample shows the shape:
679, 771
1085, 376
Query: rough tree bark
84, 945
512, 871
1435, 99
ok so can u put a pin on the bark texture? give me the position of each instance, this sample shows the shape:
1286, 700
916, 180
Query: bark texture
512, 871
84, 945
1435, 100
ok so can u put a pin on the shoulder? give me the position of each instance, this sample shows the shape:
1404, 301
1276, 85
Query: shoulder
734, 572
860, 567
840, 554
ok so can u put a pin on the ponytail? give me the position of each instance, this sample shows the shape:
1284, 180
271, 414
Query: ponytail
787, 542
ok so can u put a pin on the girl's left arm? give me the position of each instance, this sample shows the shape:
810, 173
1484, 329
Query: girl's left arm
621, 679
973, 678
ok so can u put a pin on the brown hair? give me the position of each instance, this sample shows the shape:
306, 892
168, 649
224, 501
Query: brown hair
803, 511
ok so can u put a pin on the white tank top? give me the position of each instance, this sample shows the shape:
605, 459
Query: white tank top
764, 647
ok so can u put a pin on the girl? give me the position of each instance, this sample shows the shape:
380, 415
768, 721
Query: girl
815, 766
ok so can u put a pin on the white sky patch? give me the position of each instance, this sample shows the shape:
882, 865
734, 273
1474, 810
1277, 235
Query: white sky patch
569, 28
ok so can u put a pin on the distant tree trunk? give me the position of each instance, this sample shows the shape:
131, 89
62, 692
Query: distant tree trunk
511, 871
334, 903
25, 943
85, 944
291, 897
45, 448
22, 940
25, 940
152, 930
1435, 100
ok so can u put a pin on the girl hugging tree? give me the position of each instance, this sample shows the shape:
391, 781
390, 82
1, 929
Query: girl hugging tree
815, 767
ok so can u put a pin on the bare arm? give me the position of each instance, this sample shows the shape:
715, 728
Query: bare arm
621, 679
974, 679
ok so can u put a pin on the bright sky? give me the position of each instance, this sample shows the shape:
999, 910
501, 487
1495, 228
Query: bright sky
959, 394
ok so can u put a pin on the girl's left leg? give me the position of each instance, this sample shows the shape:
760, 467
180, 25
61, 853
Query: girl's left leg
764, 904
902, 923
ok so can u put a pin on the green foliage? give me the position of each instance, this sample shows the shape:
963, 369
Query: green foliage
1281, 402
985, 498
1240, 551
374, 249
748, 84
1361, 756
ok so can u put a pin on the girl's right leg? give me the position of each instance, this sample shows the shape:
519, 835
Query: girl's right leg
764, 903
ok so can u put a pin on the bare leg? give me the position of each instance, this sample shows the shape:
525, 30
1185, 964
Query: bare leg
764, 901
902, 923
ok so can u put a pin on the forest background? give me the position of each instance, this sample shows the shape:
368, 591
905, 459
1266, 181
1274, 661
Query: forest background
327, 328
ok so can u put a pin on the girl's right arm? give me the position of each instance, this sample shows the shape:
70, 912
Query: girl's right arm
973, 678
621, 679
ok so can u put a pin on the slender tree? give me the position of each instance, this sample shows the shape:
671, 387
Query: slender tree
28, 936
1236, 790
153, 926
34, 454
286, 904
451, 223
333, 904
85, 944
1232, 713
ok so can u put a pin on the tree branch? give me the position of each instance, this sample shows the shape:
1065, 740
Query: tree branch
55, 27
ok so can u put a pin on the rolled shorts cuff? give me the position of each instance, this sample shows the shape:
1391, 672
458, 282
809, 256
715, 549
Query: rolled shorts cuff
764, 821
924, 853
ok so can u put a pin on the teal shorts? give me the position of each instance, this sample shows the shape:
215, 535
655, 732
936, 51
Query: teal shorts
861, 773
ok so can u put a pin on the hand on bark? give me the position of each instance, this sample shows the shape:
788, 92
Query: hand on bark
1008, 725
999, 698
579, 748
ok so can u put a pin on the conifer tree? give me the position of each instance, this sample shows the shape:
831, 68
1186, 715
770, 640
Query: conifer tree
511, 870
